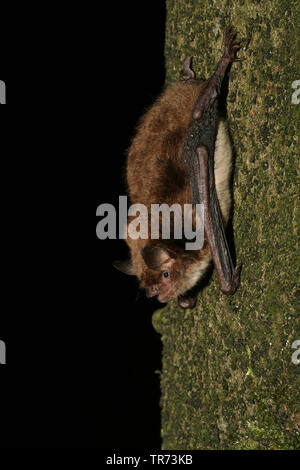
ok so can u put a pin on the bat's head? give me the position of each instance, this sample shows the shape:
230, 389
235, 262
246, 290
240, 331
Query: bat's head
163, 272
158, 278
155, 268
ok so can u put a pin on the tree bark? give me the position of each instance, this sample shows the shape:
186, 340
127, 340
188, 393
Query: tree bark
228, 380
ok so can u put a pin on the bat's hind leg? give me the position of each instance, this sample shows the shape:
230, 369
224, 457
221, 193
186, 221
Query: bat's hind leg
213, 86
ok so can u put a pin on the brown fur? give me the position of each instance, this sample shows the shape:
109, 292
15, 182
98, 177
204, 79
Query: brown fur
156, 174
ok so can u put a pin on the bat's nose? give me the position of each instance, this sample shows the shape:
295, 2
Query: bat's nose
152, 291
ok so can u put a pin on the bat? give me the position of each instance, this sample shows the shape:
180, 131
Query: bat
182, 154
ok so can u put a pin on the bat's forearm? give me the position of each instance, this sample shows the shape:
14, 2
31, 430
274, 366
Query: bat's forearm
228, 276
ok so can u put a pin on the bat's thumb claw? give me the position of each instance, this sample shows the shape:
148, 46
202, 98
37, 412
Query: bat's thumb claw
235, 281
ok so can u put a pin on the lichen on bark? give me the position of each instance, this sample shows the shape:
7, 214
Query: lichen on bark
227, 379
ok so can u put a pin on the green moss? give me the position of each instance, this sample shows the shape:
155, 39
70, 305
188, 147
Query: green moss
271, 437
227, 378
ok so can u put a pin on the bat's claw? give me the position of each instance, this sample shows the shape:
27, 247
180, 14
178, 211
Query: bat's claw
186, 72
187, 301
231, 287
231, 44
229, 35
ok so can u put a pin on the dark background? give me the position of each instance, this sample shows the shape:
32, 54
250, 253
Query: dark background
81, 349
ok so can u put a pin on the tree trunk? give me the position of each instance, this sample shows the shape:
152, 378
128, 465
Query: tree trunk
228, 379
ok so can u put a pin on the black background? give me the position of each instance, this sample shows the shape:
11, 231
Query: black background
81, 349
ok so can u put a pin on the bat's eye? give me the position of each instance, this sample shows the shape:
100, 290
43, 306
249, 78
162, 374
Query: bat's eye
166, 274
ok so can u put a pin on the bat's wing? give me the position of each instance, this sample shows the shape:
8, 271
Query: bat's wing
229, 277
198, 152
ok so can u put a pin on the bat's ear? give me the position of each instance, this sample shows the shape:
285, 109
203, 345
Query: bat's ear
156, 256
124, 266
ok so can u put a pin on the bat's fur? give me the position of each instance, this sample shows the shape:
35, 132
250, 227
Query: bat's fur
156, 174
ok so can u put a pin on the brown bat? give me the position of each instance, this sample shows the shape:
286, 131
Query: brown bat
182, 154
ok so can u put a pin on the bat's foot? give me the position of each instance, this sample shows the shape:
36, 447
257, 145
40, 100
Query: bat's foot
231, 45
186, 72
235, 282
187, 301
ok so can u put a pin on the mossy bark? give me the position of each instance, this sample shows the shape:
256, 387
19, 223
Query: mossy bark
228, 379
